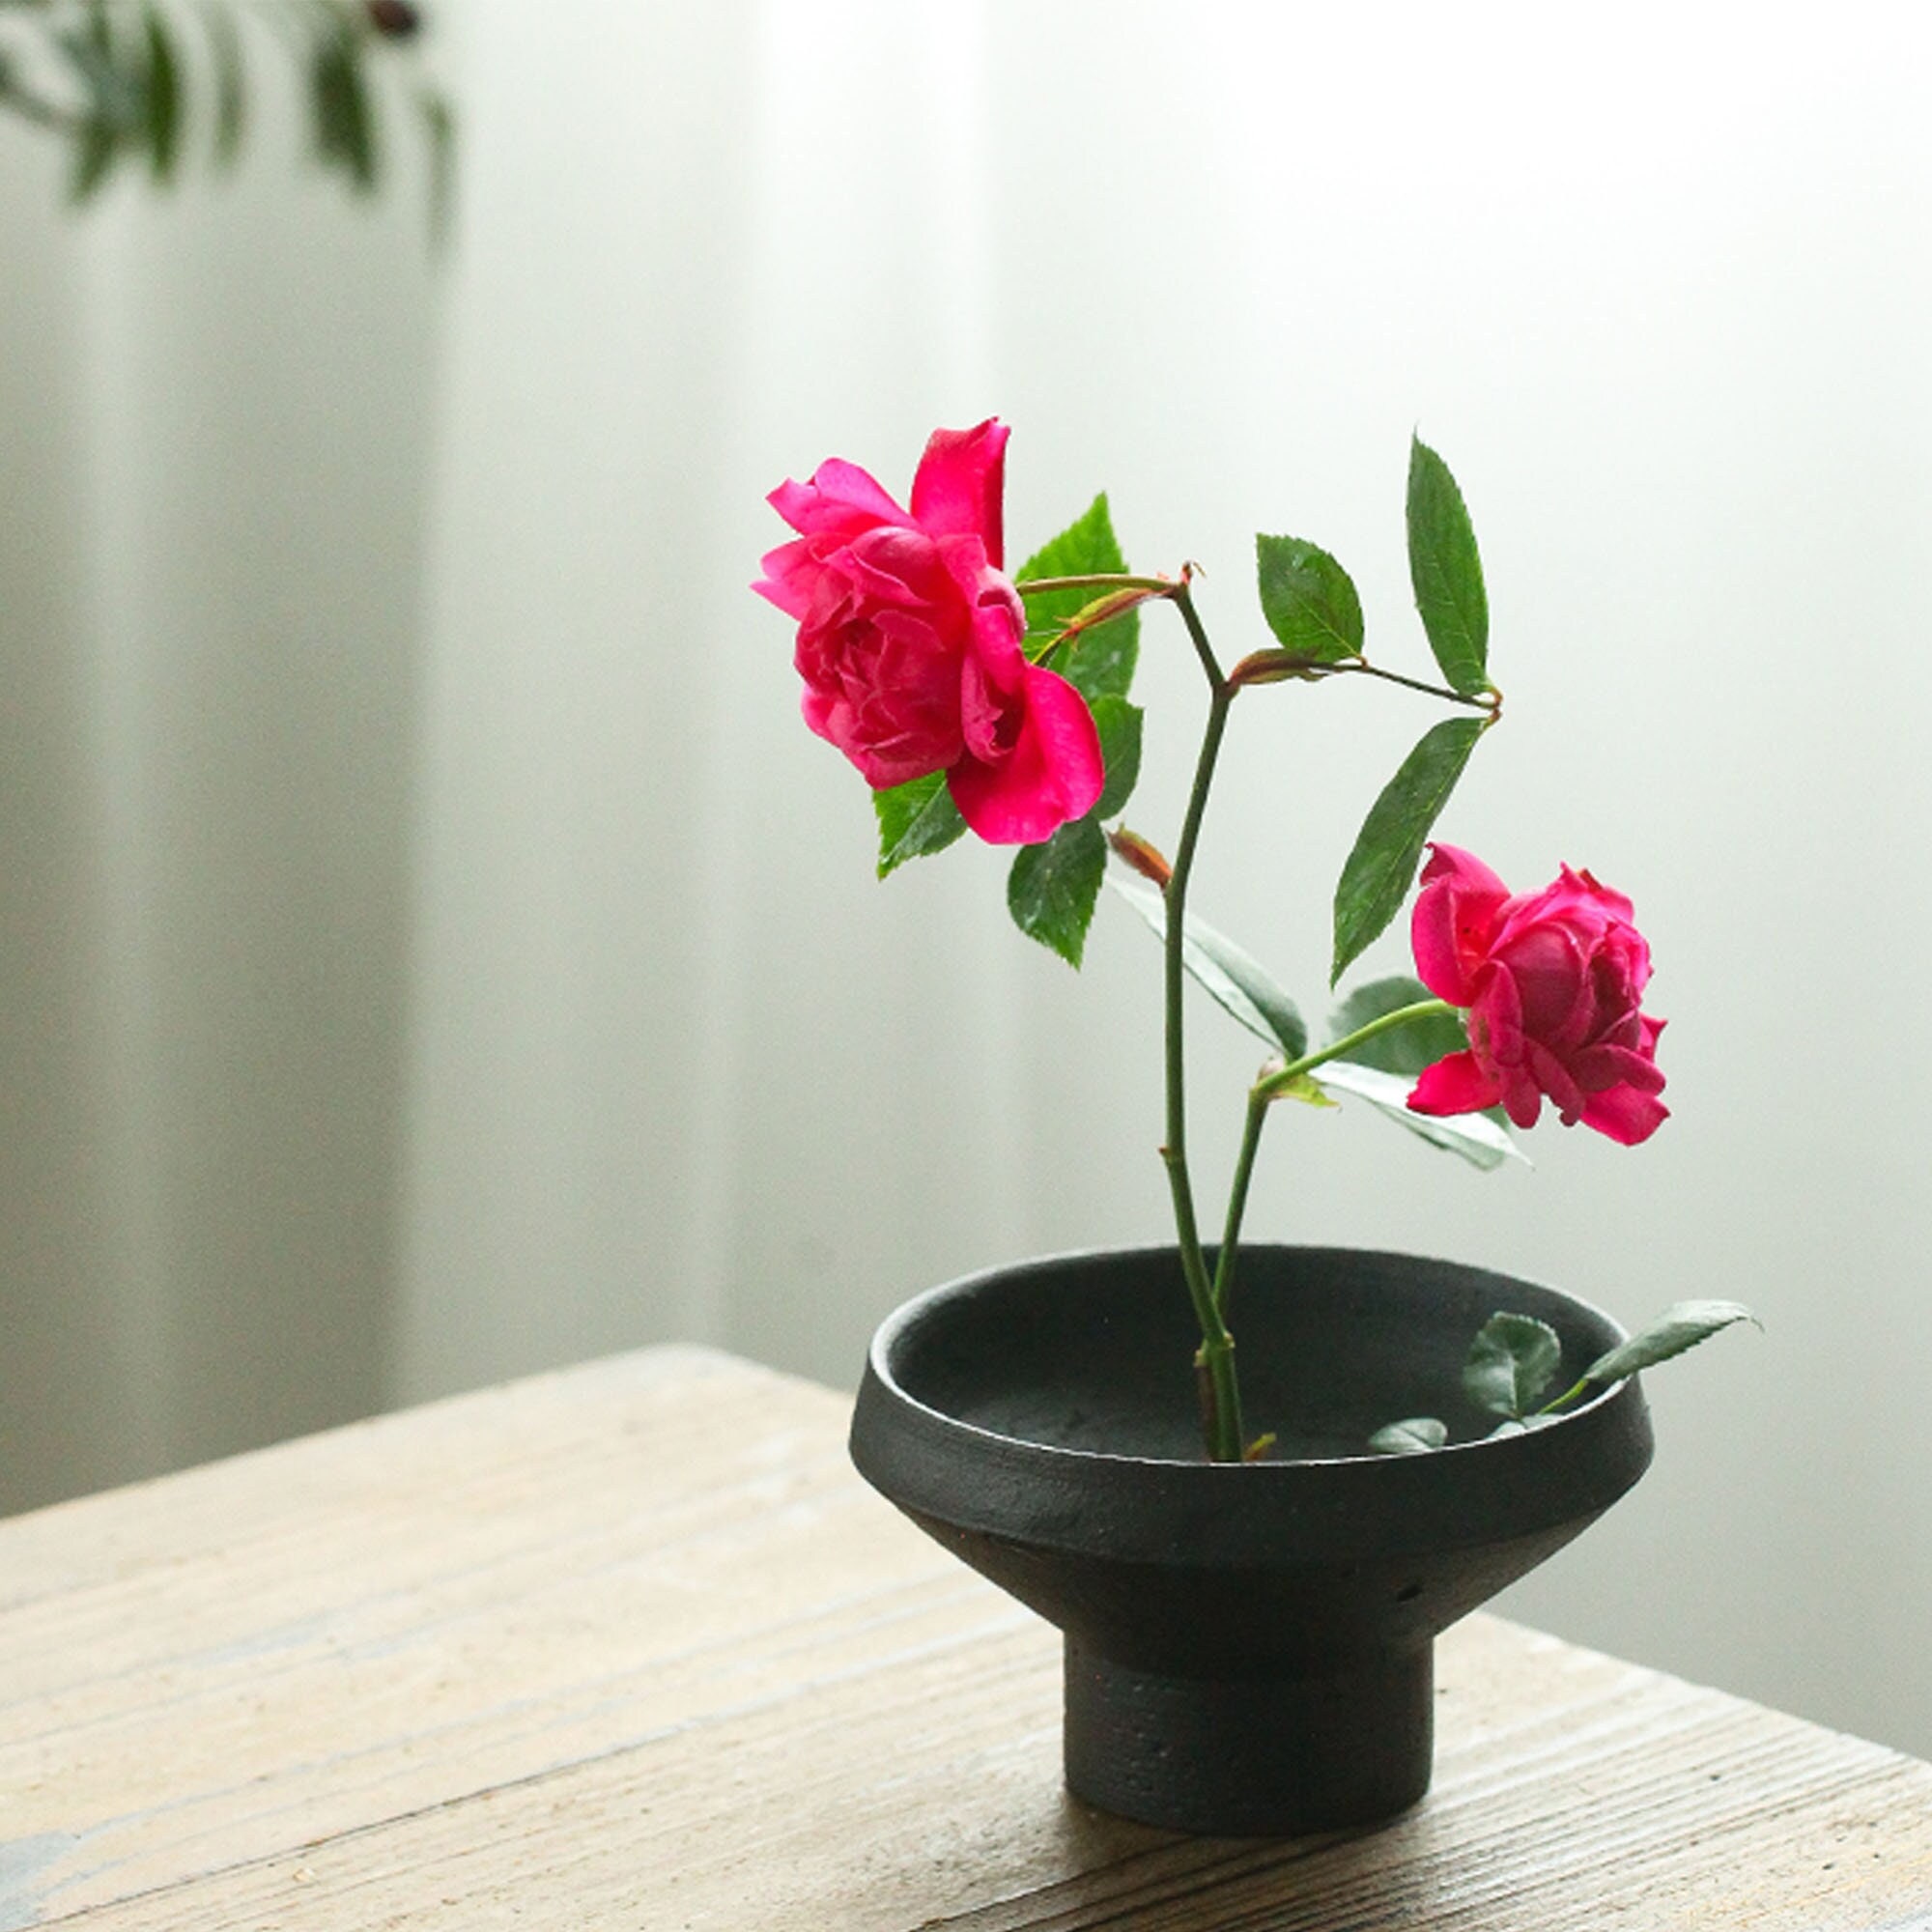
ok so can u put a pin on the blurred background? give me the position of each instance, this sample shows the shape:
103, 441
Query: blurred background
431, 949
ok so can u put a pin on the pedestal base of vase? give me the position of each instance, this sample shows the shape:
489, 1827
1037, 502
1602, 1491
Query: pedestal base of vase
1250, 1756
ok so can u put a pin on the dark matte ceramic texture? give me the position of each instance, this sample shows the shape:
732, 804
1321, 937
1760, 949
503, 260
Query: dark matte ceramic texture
1248, 1647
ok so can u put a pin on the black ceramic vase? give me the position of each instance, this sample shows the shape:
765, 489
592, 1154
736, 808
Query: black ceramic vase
1248, 1646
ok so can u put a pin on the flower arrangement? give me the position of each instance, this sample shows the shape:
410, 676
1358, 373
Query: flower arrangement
972, 700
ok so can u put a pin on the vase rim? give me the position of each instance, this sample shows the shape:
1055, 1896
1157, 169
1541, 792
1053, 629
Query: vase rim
909, 1313
1077, 1494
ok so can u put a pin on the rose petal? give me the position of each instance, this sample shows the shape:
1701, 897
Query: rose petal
1496, 1021
1613, 904
1523, 1097
1599, 1069
1052, 774
996, 619
1625, 1115
1554, 1079
841, 499
1449, 928
790, 576
1455, 1084
958, 488
989, 719
1461, 869
998, 626
899, 566
1628, 953
1552, 980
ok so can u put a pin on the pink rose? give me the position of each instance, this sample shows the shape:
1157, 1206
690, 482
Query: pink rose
909, 642
1551, 981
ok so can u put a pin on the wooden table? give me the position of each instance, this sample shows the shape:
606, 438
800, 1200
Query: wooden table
630, 1646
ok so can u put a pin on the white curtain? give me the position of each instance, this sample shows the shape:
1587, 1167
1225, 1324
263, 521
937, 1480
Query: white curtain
216, 411
669, 1062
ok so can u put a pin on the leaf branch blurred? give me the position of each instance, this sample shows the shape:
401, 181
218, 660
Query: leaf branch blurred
152, 83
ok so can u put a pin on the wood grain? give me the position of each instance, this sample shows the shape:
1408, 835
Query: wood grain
630, 1646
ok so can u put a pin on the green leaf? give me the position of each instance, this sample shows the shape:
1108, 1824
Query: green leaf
1052, 888
1446, 572
114, 113
97, 147
1415, 1436
1234, 981
1120, 727
343, 124
1308, 600
1481, 1141
1101, 662
1381, 867
1680, 1327
139, 72
1520, 1426
915, 819
162, 94
1510, 1364
1403, 1049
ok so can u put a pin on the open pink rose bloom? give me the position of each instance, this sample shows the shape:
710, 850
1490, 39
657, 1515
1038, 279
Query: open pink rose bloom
909, 641
1551, 981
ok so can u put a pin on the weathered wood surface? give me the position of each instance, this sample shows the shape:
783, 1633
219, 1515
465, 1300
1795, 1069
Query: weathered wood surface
631, 1646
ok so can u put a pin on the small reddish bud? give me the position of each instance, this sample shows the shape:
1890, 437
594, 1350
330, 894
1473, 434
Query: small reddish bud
1115, 604
1133, 850
1276, 667
393, 19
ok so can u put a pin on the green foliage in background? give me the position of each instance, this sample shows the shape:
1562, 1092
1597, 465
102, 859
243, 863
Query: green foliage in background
157, 84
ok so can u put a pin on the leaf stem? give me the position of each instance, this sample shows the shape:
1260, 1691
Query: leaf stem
1276, 667
1489, 698
1037, 586
1569, 1394
1284, 1077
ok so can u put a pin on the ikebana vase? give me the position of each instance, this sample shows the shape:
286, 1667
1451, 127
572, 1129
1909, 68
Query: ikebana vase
1248, 1646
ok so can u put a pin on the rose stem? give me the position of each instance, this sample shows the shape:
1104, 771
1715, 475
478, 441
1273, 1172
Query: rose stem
1225, 1435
